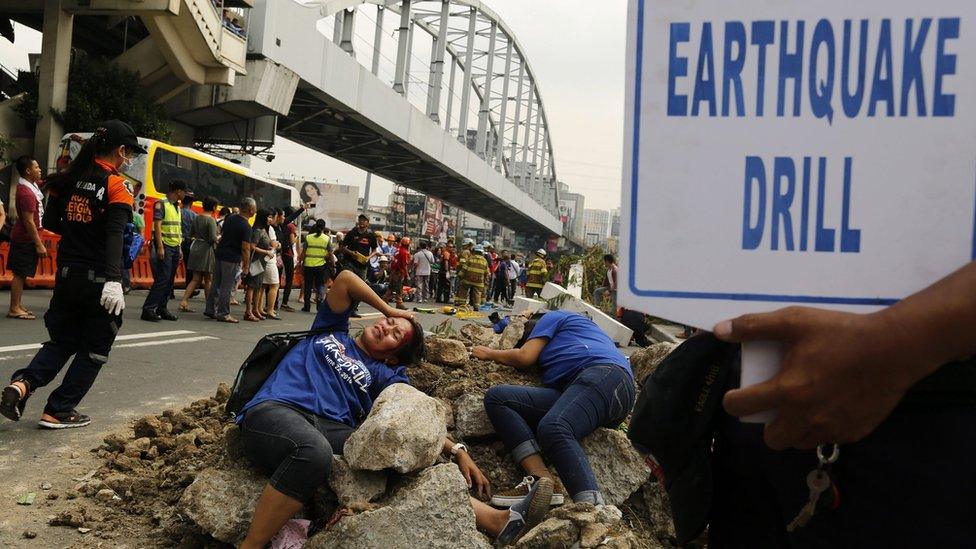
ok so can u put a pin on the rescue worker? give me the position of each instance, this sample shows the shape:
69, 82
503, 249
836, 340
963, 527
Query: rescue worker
316, 251
90, 205
537, 274
165, 252
463, 256
473, 276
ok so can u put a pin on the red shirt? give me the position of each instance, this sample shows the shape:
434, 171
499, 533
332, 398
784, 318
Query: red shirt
401, 261
26, 204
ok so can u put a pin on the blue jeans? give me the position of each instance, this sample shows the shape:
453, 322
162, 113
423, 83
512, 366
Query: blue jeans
599, 396
164, 271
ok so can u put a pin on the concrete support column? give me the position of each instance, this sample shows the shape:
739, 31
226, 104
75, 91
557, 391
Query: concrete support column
466, 89
377, 41
403, 51
481, 144
348, 30
500, 146
337, 28
53, 82
437, 64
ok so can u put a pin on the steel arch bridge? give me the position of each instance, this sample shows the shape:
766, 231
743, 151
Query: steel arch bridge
476, 90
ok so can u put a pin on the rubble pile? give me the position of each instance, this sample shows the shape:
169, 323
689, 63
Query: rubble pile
179, 478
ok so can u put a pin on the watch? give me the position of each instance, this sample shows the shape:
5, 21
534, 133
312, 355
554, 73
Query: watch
457, 448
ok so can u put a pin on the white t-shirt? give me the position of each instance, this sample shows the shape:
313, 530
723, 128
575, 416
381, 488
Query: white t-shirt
422, 261
513, 269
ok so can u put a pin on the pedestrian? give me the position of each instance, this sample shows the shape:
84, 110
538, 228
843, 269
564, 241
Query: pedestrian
588, 384
262, 251
473, 275
187, 215
423, 262
273, 267
514, 270
315, 254
289, 237
536, 275
608, 290
399, 272
202, 261
89, 205
26, 246
499, 288
445, 259
167, 236
354, 250
233, 255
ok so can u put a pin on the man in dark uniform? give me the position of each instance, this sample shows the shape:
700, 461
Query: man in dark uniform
355, 250
89, 205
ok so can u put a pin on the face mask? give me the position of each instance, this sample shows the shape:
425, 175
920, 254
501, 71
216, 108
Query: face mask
126, 163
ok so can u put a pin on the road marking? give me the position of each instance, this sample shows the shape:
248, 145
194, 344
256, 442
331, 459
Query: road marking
165, 341
127, 337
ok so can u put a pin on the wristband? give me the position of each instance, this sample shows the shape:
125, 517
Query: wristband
457, 448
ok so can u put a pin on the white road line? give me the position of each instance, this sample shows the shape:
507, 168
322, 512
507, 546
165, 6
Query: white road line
165, 342
147, 335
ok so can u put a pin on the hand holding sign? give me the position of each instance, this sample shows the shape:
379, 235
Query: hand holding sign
842, 373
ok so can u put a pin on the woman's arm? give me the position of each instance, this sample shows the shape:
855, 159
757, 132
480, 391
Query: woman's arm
348, 287
476, 479
524, 357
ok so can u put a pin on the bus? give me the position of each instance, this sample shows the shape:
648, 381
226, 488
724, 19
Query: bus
205, 174
148, 177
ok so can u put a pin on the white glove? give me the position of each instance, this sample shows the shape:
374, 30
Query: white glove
112, 298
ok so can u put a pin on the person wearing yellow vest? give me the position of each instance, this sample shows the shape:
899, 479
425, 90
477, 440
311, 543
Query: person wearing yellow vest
537, 274
167, 235
316, 252
473, 274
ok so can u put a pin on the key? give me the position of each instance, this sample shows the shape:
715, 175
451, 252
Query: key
818, 481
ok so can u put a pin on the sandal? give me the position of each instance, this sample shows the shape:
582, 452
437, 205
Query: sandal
27, 315
229, 319
186, 308
272, 317
250, 318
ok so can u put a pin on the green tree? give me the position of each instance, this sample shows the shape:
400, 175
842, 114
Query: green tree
99, 90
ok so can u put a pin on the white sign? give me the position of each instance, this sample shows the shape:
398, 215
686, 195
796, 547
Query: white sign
793, 152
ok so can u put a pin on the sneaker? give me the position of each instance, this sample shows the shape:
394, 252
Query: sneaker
525, 514
514, 495
64, 420
10, 399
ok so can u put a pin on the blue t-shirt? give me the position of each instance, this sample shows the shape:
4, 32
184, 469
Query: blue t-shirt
328, 375
501, 325
575, 343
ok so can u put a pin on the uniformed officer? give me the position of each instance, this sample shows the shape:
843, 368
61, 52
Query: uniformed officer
165, 252
89, 205
315, 253
473, 275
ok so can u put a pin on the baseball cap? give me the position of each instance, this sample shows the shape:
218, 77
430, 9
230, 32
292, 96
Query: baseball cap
675, 419
117, 133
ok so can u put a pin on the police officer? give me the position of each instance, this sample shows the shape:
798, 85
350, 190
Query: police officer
315, 253
165, 252
90, 206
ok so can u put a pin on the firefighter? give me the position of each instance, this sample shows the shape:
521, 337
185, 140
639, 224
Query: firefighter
537, 274
473, 275
90, 206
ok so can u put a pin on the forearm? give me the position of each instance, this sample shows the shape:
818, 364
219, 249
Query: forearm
158, 233
508, 357
295, 215
936, 324
117, 217
358, 290
32, 231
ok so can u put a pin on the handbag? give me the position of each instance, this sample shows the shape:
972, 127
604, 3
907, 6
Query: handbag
260, 364
256, 268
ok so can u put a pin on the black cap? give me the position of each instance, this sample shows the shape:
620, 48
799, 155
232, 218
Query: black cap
676, 417
117, 133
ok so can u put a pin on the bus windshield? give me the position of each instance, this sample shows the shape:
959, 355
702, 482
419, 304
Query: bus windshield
206, 179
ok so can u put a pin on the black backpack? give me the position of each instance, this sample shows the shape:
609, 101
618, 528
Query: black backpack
260, 364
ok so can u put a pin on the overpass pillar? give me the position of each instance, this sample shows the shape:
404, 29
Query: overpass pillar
53, 81
403, 49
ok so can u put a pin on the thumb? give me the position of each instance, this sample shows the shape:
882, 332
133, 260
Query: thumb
776, 325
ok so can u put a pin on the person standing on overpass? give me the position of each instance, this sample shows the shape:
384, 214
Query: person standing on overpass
89, 205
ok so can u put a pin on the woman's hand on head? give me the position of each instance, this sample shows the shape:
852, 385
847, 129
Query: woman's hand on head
477, 481
400, 313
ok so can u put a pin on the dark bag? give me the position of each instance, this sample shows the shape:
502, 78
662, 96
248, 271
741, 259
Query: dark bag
260, 364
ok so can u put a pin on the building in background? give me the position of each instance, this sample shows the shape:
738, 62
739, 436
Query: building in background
615, 223
596, 227
571, 207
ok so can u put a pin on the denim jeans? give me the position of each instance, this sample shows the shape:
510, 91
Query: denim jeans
533, 420
164, 271
224, 284
293, 446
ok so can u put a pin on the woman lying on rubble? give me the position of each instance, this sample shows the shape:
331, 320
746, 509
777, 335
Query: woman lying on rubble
322, 390
588, 384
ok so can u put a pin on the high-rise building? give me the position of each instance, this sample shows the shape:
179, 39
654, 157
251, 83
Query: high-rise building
571, 206
596, 226
615, 222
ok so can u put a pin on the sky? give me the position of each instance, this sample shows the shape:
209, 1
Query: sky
577, 53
